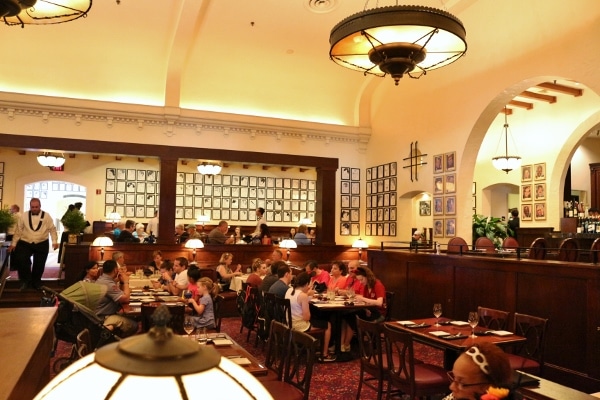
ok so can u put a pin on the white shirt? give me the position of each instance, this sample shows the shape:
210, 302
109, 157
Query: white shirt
261, 221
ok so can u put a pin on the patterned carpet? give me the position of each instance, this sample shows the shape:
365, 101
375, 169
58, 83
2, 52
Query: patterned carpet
331, 381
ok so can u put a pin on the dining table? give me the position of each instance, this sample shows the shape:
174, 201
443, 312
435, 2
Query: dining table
150, 296
334, 310
237, 282
453, 337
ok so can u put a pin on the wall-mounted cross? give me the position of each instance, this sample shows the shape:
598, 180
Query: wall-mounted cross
415, 161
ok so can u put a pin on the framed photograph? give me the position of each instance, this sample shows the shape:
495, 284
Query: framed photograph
355, 201
235, 180
526, 212
110, 173
354, 229
355, 174
438, 228
252, 181
526, 193
345, 173
109, 198
129, 199
540, 211
227, 180
438, 165
450, 227
121, 174
345, 187
425, 207
393, 168
540, 191
369, 174
438, 185
355, 187
345, 201
110, 186
450, 184
438, 206
449, 161
345, 229
151, 176
450, 202
526, 173
262, 182
540, 171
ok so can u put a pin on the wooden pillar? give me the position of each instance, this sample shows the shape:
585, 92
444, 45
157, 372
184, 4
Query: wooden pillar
166, 210
325, 207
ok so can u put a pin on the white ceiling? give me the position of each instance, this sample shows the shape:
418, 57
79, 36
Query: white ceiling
257, 57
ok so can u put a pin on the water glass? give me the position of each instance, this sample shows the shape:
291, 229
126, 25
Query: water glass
202, 335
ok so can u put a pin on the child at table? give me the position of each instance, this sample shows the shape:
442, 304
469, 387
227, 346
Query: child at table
202, 302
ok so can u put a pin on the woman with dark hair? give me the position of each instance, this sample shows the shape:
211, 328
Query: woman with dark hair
264, 237
90, 272
338, 276
482, 372
301, 318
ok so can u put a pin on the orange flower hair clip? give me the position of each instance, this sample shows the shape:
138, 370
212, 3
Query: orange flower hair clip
494, 393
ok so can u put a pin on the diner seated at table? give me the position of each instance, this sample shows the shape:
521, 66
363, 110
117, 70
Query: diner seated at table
301, 237
90, 272
270, 279
351, 281
178, 284
155, 264
109, 306
337, 280
281, 286
225, 272
218, 234
301, 317
373, 294
202, 300
259, 271
317, 274
165, 267
482, 368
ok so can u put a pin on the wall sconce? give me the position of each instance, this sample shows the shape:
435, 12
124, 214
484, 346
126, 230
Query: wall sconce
288, 244
194, 244
360, 244
103, 241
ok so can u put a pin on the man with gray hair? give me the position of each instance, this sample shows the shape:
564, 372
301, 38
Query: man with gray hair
217, 235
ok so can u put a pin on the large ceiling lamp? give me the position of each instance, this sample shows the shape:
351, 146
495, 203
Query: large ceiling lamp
50, 160
21, 12
505, 162
398, 40
210, 168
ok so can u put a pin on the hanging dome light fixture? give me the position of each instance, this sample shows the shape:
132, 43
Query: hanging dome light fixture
505, 162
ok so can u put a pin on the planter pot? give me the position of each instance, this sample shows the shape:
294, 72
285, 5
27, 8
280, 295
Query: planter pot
73, 239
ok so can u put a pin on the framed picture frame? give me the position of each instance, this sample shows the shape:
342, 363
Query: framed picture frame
540, 191
110, 186
540, 211
438, 228
450, 161
345, 173
438, 167
438, 206
111, 173
438, 185
369, 174
345, 229
393, 168
355, 187
425, 208
345, 187
526, 212
450, 205
450, 227
526, 173
450, 183
355, 174
539, 171
526, 193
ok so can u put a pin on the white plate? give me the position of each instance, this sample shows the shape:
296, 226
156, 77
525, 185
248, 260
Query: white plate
501, 333
135, 303
459, 323
222, 342
439, 333
405, 322
241, 361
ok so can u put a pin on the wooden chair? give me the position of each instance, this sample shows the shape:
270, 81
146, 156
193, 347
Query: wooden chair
252, 305
486, 244
415, 379
283, 314
276, 355
493, 319
84, 343
370, 348
510, 243
217, 308
177, 317
537, 250
457, 245
297, 371
529, 356
594, 251
389, 302
568, 250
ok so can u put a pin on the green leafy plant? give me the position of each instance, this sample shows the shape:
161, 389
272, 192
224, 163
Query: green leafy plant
491, 227
6, 220
74, 221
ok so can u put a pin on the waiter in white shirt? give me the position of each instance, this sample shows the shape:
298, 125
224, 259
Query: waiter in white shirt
31, 239
260, 215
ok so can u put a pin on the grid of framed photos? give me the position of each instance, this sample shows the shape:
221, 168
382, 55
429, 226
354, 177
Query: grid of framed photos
444, 195
382, 183
533, 192
350, 201
1, 181
136, 194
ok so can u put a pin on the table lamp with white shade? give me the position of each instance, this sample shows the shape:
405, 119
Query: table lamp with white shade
103, 241
360, 244
194, 244
288, 244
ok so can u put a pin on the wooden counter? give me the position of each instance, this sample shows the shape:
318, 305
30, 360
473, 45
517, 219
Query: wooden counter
27, 336
568, 294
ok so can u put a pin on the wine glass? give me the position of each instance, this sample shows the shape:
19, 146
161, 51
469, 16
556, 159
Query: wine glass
351, 294
473, 321
187, 294
437, 312
188, 326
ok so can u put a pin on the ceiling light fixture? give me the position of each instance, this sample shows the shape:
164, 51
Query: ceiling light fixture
210, 168
51, 161
398, 40
506, 163
40, 12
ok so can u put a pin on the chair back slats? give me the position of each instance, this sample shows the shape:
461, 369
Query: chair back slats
389, 302
283, 311
401, 365
534, 330
493, 319
370, 348
301, 360
277, 348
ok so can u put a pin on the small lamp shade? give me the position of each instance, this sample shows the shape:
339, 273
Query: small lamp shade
102, 241
288, 244
194, 244
360, 244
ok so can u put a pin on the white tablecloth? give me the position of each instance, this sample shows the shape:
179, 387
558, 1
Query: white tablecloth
139, 283
236, 282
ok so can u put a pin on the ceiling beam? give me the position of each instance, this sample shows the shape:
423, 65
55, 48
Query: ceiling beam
521, 104
539, 96
555, 87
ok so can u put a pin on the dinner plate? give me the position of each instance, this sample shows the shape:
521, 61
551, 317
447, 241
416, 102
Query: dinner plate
405, 322
241, 361
222, 342
459, 323
439, 333
501, 333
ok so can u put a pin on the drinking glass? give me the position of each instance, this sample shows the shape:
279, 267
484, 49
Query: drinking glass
351, 294
203, 338
188, 326
473, 321
187, 294
437, 313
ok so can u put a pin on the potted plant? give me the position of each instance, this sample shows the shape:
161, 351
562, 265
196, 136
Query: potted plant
491, 227
6, 220
74, 222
